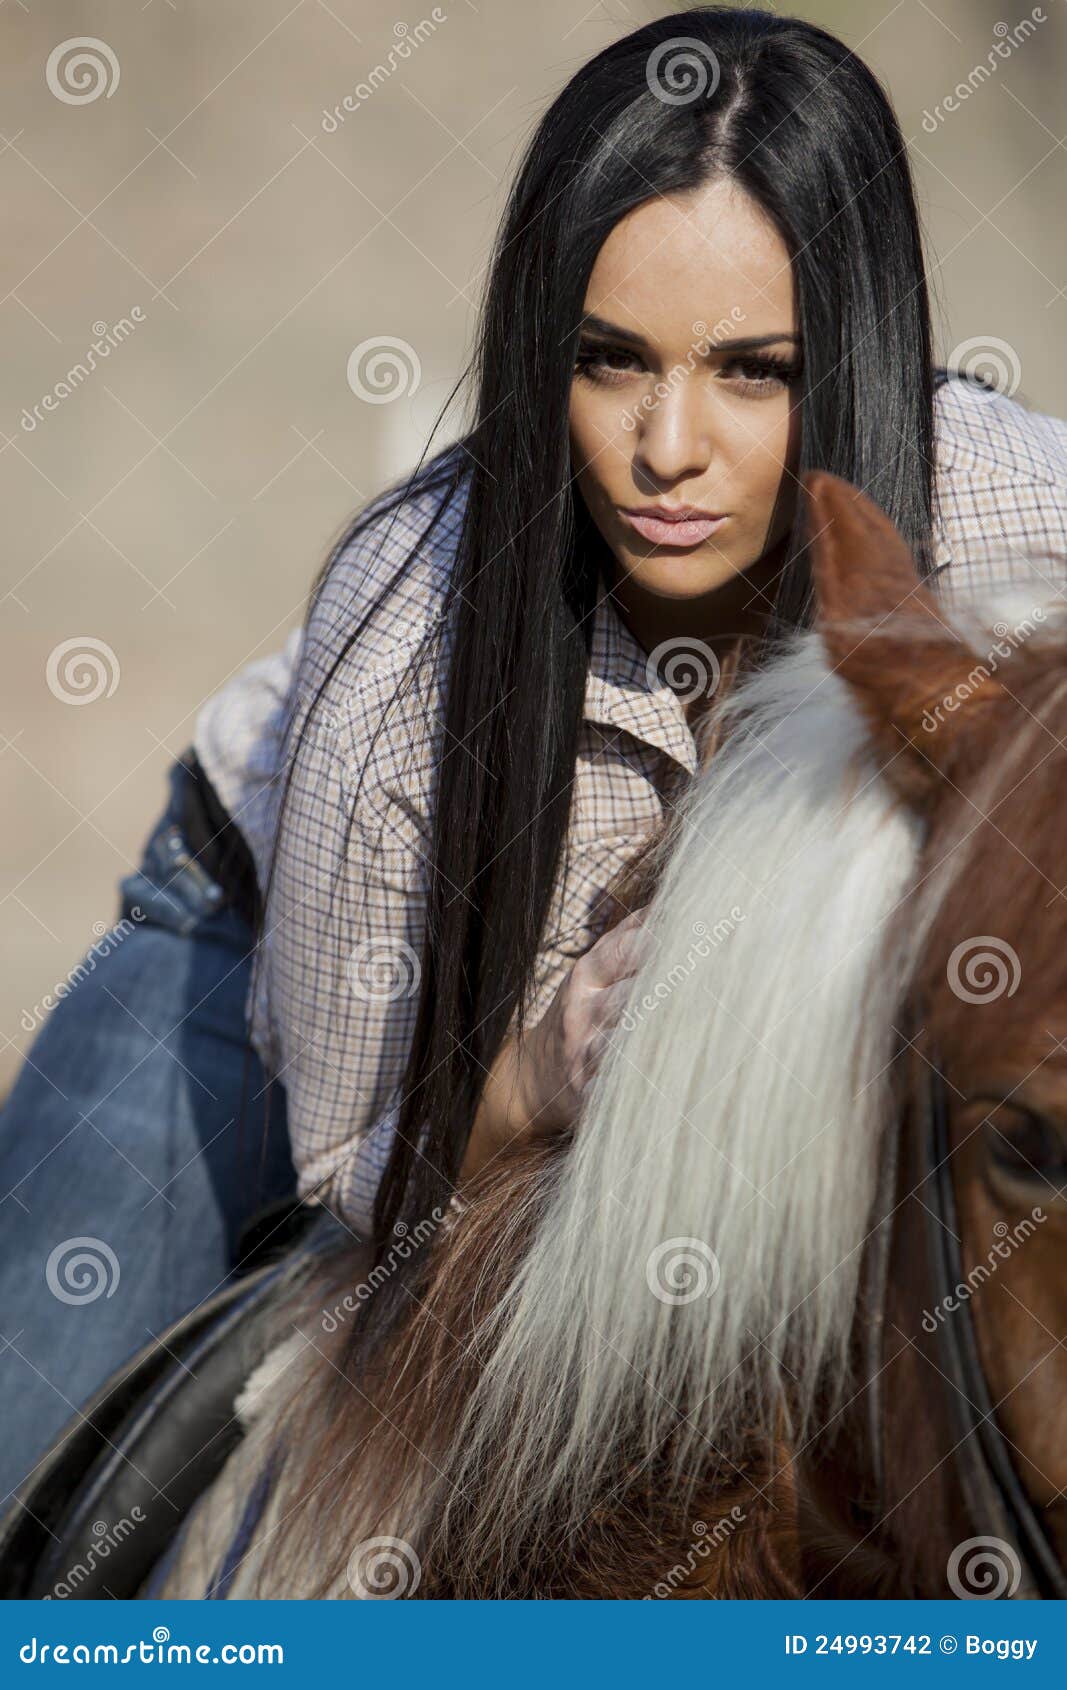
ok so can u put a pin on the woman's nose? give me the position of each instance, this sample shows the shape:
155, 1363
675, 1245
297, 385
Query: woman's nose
675, 436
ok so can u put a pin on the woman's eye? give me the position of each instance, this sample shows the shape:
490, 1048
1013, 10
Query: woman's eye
606, 363
753, 376
761, 375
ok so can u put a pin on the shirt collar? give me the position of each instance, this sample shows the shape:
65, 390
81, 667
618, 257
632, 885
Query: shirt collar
623, 690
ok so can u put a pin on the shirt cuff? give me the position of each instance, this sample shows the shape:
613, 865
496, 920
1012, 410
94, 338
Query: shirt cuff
361, 1178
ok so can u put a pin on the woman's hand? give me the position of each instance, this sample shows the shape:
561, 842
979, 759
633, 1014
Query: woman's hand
564, 1050
536, 1088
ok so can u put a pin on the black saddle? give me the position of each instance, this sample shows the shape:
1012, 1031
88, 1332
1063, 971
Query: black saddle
103, 1505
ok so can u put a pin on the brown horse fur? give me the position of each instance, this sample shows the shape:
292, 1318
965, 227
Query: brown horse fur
735, 1536
777, 1521
990, 780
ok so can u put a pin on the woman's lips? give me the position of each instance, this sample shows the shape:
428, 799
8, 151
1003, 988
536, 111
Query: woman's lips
673, 531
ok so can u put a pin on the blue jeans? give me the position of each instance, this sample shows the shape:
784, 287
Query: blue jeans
132, 1146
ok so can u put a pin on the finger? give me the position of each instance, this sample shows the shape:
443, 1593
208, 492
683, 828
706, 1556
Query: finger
620, 953
609, 1028
610, 1005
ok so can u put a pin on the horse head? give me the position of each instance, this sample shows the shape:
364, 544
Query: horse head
968, 1372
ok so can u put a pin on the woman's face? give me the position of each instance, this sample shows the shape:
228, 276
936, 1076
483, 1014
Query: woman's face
673, 406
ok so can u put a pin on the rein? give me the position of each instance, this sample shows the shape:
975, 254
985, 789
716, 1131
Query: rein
990, 1485
992, 1493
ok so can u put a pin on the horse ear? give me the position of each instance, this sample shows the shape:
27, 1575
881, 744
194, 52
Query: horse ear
884, 633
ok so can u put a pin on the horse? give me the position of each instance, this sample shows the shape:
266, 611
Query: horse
784, 1314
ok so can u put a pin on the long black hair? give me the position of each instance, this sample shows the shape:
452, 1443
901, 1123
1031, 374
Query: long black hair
786, 111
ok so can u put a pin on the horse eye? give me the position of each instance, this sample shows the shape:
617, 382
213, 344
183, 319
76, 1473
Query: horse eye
1028, 1146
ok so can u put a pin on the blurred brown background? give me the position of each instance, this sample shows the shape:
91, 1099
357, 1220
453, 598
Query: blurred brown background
180, 195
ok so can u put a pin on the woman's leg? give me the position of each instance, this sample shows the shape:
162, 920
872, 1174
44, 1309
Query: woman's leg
127, 1163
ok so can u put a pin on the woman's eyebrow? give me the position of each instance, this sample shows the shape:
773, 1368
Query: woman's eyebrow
742, 343
748, 343
600, 325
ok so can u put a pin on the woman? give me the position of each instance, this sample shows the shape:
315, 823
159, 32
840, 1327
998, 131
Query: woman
709, 279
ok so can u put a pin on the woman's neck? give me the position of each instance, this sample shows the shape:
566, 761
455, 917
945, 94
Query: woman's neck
738, 608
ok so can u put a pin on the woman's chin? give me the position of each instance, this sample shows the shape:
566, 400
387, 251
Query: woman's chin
680, 575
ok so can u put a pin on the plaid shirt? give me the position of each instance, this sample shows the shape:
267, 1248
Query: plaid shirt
345, 917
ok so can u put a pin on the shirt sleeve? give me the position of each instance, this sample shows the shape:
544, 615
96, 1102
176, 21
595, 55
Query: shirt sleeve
1002, 497
239, 739
345, 918
359, 1179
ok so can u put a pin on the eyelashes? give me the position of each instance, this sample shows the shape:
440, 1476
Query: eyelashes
763, 372
592, 361
771, 371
